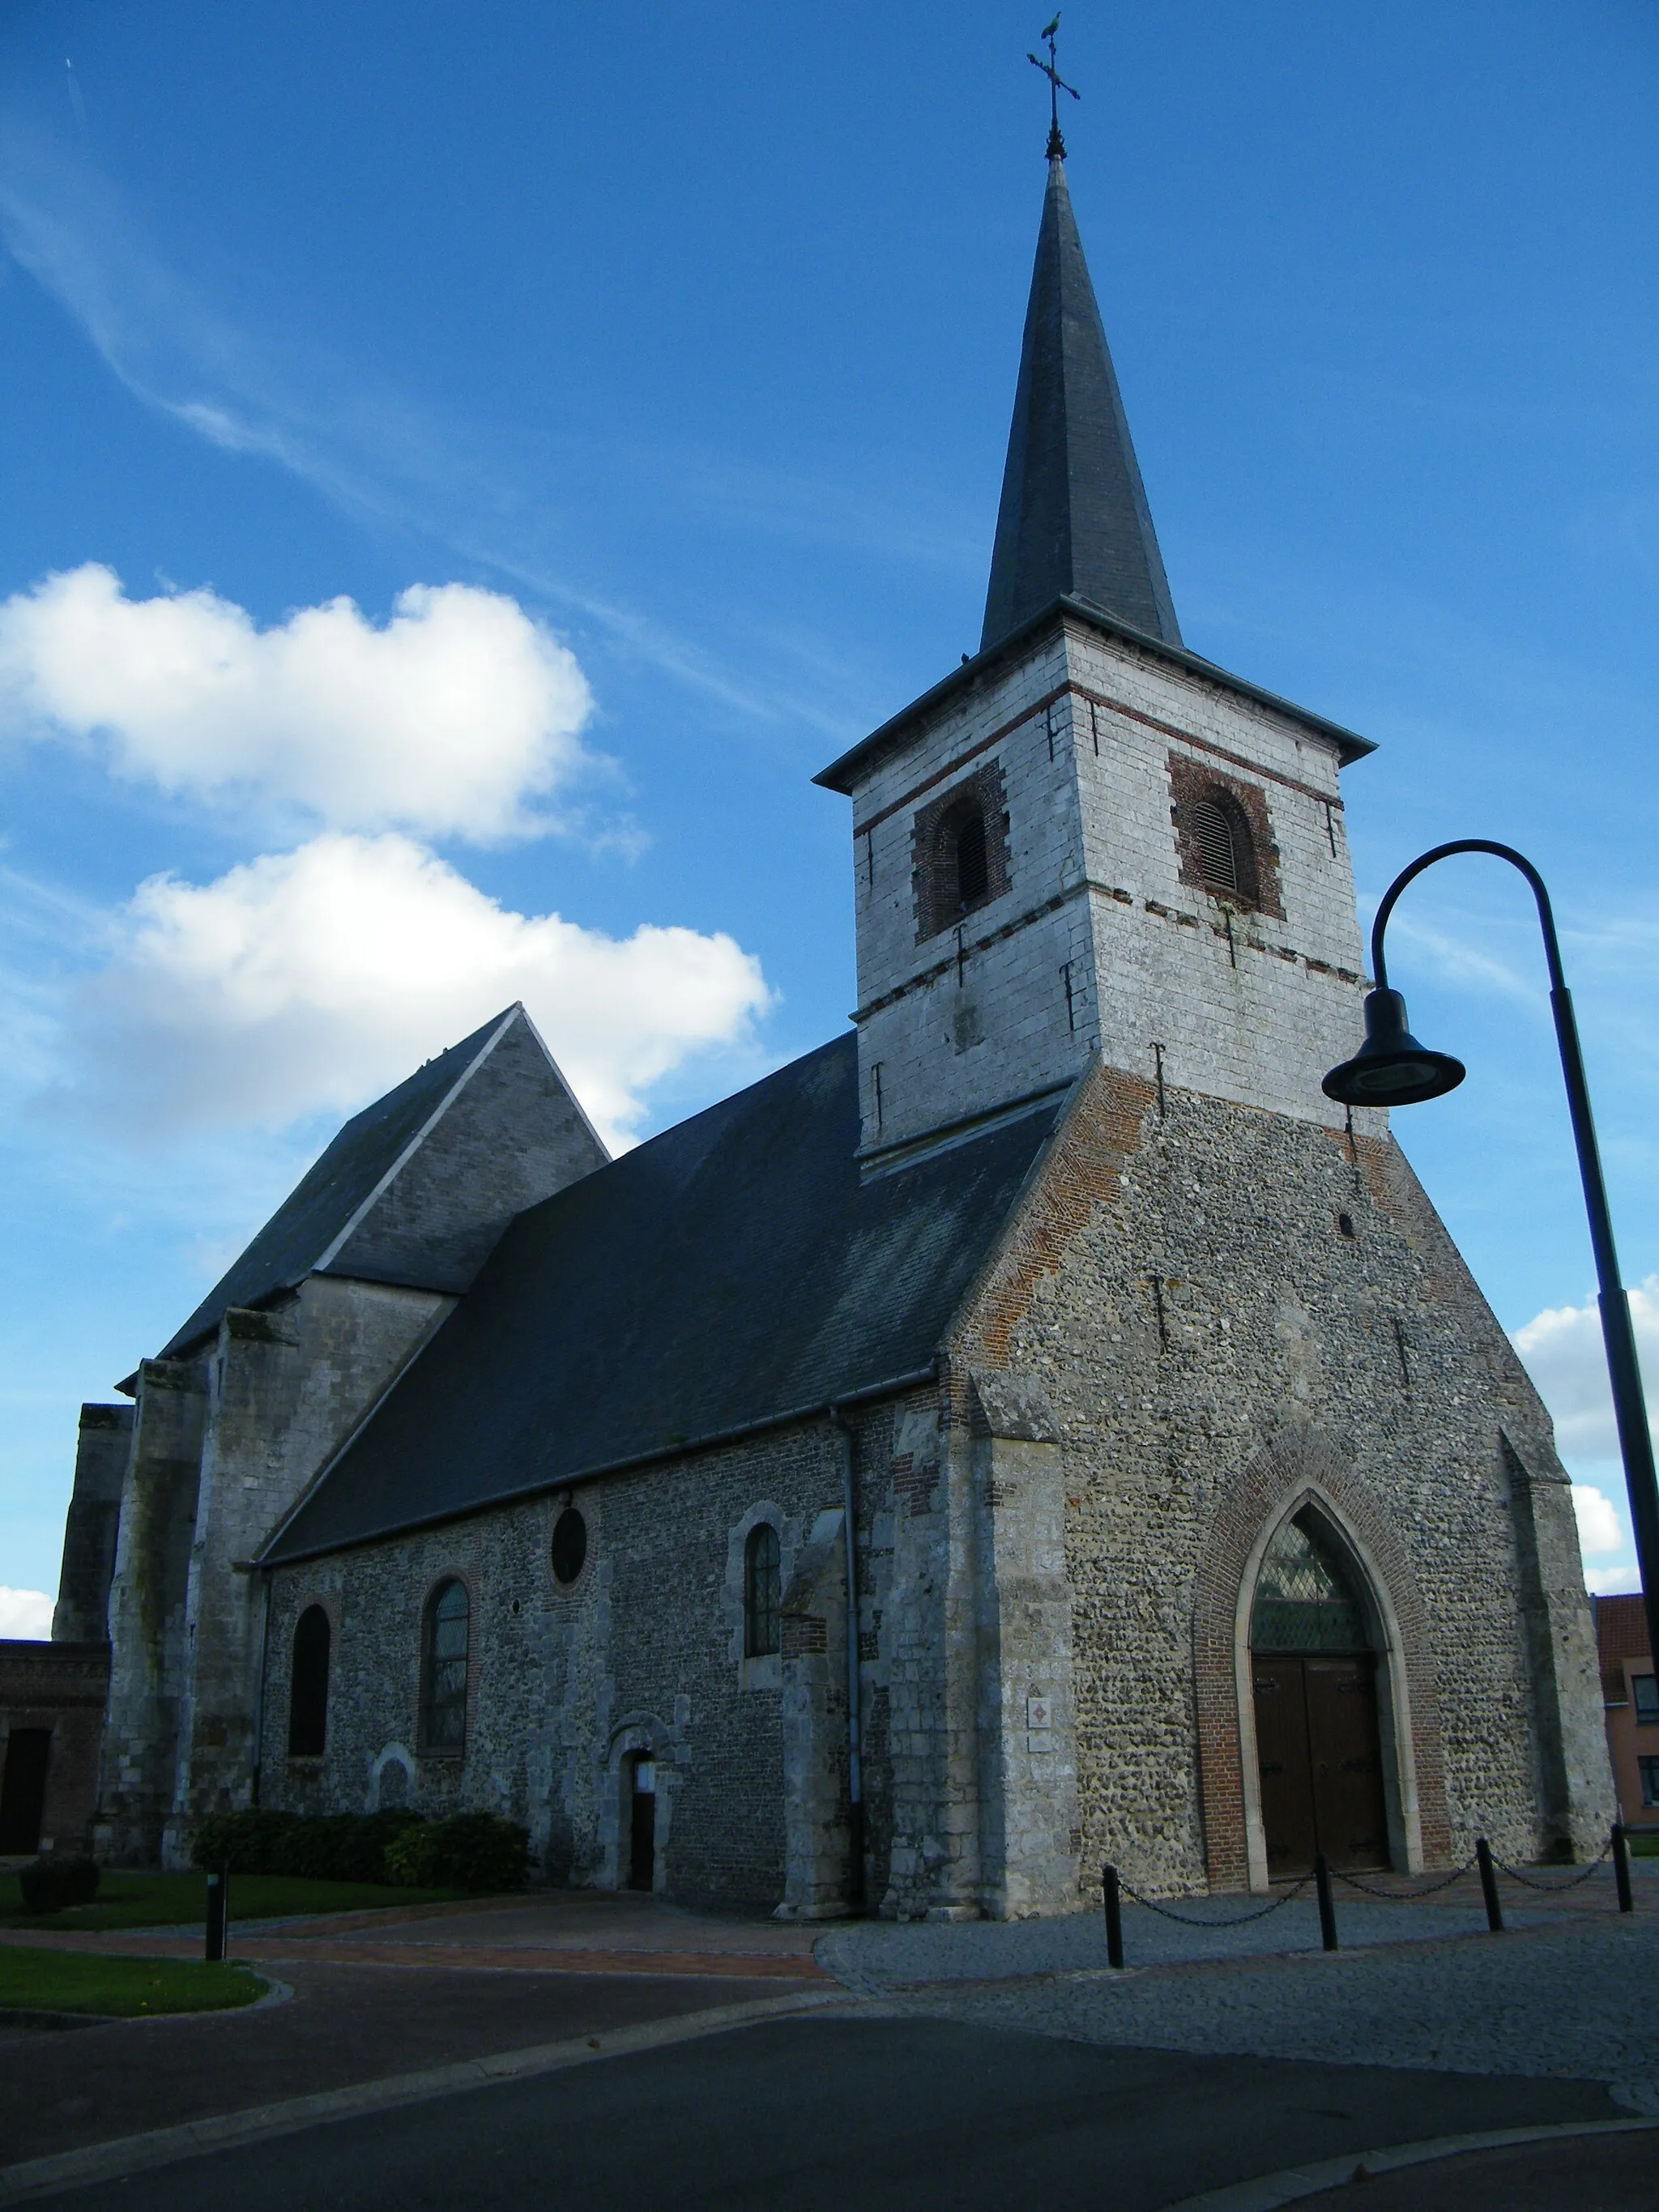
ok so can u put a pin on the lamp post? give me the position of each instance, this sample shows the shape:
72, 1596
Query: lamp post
1392, 1069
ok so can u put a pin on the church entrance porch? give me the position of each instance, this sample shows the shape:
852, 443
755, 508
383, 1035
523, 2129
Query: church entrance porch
1318, 1743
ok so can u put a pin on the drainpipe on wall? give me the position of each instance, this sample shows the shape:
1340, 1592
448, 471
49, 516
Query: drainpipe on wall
854, 1684
260, 1681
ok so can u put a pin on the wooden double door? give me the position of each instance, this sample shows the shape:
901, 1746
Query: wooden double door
1319, 1748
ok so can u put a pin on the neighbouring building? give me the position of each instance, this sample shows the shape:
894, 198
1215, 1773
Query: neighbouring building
1035, 1428
51, 1724
1630, 1692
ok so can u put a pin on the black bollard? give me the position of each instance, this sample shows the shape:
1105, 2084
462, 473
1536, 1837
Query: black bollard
1327, 1902
1489, 1886
1621, 1868
1114, 1917
218, 1913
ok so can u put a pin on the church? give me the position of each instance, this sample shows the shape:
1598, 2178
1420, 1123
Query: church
1036, 1428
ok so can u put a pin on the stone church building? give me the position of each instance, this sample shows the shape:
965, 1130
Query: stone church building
1036, 1428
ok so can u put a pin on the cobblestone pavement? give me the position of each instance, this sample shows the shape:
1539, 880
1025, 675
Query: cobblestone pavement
1561, 1994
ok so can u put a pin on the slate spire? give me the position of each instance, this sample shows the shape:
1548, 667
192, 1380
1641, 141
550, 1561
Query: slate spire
1074, 521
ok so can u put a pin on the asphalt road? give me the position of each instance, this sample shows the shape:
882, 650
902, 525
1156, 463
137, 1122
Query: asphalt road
855, 2114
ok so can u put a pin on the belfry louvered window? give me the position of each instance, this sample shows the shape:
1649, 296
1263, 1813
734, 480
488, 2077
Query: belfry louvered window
443, 1715
1221, 841
973, 862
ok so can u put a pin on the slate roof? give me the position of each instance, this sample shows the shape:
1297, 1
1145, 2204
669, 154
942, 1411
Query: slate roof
323, 1203
730, 1271
1074, 521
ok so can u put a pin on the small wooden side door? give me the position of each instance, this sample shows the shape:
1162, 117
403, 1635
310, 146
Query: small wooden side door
1350, 1815
1281, 1743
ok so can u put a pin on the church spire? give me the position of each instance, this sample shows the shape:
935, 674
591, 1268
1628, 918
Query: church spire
1074, 521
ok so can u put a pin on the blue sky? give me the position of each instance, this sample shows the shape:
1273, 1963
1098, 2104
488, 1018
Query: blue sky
666, 361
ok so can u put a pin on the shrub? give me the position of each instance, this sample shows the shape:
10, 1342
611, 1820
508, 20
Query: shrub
52, 1883
473, 1850
325, 1847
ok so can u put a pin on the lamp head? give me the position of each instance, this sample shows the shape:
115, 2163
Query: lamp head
1391, 1068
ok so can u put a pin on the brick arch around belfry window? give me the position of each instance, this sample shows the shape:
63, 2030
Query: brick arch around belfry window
1223, 837
959, 851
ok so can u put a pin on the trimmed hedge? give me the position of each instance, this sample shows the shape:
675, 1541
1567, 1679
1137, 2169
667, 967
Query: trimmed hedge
473, 1850
52, 1883
325, 1847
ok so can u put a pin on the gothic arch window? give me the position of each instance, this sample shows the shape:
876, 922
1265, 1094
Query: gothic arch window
1307, 1597
307, 1685
762, 1591
443, 1670
1224, 846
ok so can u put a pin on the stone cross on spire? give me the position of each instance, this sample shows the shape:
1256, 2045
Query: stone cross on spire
1057, 84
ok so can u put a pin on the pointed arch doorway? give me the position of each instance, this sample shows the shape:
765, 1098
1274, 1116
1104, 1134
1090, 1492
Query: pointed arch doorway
1318, 1731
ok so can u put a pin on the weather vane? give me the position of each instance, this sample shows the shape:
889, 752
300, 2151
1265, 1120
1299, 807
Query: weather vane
1057, 84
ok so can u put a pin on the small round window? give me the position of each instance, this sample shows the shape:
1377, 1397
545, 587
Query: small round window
569, 1544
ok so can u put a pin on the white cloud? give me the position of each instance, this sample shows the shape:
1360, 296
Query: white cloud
451, 719
1563, 1353
1599, 1526
25, 1613
1612, 1581
309, 981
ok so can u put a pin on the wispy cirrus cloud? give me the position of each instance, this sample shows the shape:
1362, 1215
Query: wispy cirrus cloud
376, 452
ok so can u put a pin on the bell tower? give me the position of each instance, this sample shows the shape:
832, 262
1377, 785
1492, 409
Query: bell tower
1087, 840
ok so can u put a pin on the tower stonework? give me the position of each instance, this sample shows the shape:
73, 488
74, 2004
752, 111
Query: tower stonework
1090, 751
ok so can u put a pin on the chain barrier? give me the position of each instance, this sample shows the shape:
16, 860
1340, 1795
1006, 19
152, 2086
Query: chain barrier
1546, 1887
1322, 1874
1403, 1896
1198, 1920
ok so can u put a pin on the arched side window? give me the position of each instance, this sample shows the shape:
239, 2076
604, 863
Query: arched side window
762, 1591
307, 1685
1225, 849
443, 1701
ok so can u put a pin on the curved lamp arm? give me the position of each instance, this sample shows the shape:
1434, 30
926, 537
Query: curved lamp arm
1618, 1335
1546, 913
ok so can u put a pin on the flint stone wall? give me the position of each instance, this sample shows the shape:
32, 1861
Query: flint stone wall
1183, 1286
642, 1652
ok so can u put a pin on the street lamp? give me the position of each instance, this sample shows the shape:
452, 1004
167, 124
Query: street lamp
1392, 1069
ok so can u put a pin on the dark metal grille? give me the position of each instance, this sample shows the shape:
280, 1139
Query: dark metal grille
1305, 1600
446, 1669
973, 864
1215, 836
760, 1591
307, 1689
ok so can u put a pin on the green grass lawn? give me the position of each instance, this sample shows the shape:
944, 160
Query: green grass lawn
1642, 1846
177, 1900
125, 1989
